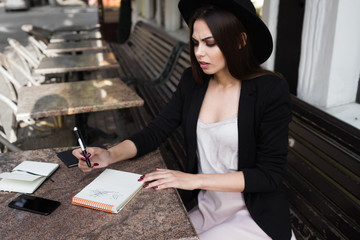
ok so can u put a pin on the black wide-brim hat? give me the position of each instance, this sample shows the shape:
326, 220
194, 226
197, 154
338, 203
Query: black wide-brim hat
244, 10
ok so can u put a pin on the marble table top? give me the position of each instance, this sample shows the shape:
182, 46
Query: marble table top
150, 214
65, 36
68, 98
64, 47
77, 28
73, 63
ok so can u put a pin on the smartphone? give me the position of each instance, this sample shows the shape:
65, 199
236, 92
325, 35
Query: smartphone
34, 204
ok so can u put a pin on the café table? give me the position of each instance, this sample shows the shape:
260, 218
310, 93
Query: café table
81, 46
77, 28
67, 98
69, 37
77, 63
151, 214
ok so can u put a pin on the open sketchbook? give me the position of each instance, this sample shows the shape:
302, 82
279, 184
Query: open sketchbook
27, 176
110, 191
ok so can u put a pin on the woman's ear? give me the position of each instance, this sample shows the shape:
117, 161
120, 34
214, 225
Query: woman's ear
243, 40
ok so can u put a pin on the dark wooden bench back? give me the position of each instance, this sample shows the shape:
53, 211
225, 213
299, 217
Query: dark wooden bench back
323, 178
156, 94
159, 91
145, 54
167, 84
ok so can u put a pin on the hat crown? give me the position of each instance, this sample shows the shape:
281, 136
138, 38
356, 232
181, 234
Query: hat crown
247, 4
231, 5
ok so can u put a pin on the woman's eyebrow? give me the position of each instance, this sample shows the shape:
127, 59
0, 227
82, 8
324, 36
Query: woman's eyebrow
204, 39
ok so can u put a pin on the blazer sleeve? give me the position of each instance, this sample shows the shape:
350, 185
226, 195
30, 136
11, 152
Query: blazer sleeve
271, 139
161, 127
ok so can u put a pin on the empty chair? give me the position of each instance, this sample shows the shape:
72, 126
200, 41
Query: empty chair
7, 69
30, 134
8, 108
13, 125
31, 61
39, 48
24, 53
13, 85
5, 144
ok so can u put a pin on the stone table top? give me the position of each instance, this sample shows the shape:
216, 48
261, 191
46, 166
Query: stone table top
75, 63
64, 47
68, 98
150, 214
77, 28
64, 36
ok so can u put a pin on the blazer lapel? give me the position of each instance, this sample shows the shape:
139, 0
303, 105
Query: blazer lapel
246, 121
194, 110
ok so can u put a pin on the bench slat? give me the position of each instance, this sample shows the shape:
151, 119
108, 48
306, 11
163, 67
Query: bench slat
311, 196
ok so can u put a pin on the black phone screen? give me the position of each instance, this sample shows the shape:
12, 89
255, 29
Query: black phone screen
34, 204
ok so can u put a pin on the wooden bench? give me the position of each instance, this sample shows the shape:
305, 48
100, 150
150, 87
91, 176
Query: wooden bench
151, 62
156, 95
146, 54
323, 175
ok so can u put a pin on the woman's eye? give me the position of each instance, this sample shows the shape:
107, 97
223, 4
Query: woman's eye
210, 44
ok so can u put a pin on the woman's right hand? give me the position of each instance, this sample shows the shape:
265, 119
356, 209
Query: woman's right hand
99, 158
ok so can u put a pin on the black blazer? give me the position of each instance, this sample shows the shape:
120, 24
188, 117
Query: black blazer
263, 117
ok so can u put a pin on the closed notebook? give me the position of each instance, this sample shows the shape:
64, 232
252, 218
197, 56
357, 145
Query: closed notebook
110, 191
27, 176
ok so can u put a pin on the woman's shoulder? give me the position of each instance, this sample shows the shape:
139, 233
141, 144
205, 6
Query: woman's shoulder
188, 71
188, 75
267, 82
187, 78
268, 78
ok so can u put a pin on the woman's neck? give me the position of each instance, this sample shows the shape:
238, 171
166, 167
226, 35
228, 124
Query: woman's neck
225, 80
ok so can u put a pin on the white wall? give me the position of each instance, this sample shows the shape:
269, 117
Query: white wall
330, 53
270, 18
172, 15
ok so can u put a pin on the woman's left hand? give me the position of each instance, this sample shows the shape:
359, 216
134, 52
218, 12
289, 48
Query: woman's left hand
165, 178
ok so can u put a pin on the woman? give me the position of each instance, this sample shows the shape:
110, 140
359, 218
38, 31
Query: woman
234, 116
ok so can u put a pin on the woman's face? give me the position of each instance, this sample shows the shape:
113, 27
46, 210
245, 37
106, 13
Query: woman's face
206, 50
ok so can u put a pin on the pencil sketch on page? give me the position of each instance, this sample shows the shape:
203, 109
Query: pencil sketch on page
101, 193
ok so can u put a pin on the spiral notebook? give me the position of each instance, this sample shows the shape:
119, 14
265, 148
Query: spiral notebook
109, 192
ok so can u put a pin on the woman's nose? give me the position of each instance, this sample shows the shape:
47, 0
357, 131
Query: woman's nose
199, 50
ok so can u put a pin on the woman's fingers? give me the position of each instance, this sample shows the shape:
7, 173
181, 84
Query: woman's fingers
82, 159
164, 178
77, 153
158, 174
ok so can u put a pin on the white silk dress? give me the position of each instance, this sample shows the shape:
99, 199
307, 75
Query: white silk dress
221, 215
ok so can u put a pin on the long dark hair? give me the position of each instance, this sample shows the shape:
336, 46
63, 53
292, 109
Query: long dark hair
228, 33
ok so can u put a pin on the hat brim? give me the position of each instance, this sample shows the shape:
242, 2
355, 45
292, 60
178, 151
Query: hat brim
257, 31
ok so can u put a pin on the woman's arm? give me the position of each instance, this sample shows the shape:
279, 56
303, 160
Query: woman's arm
142, 142
272, 137
100, 157
122, 151
221, 182
166, 122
